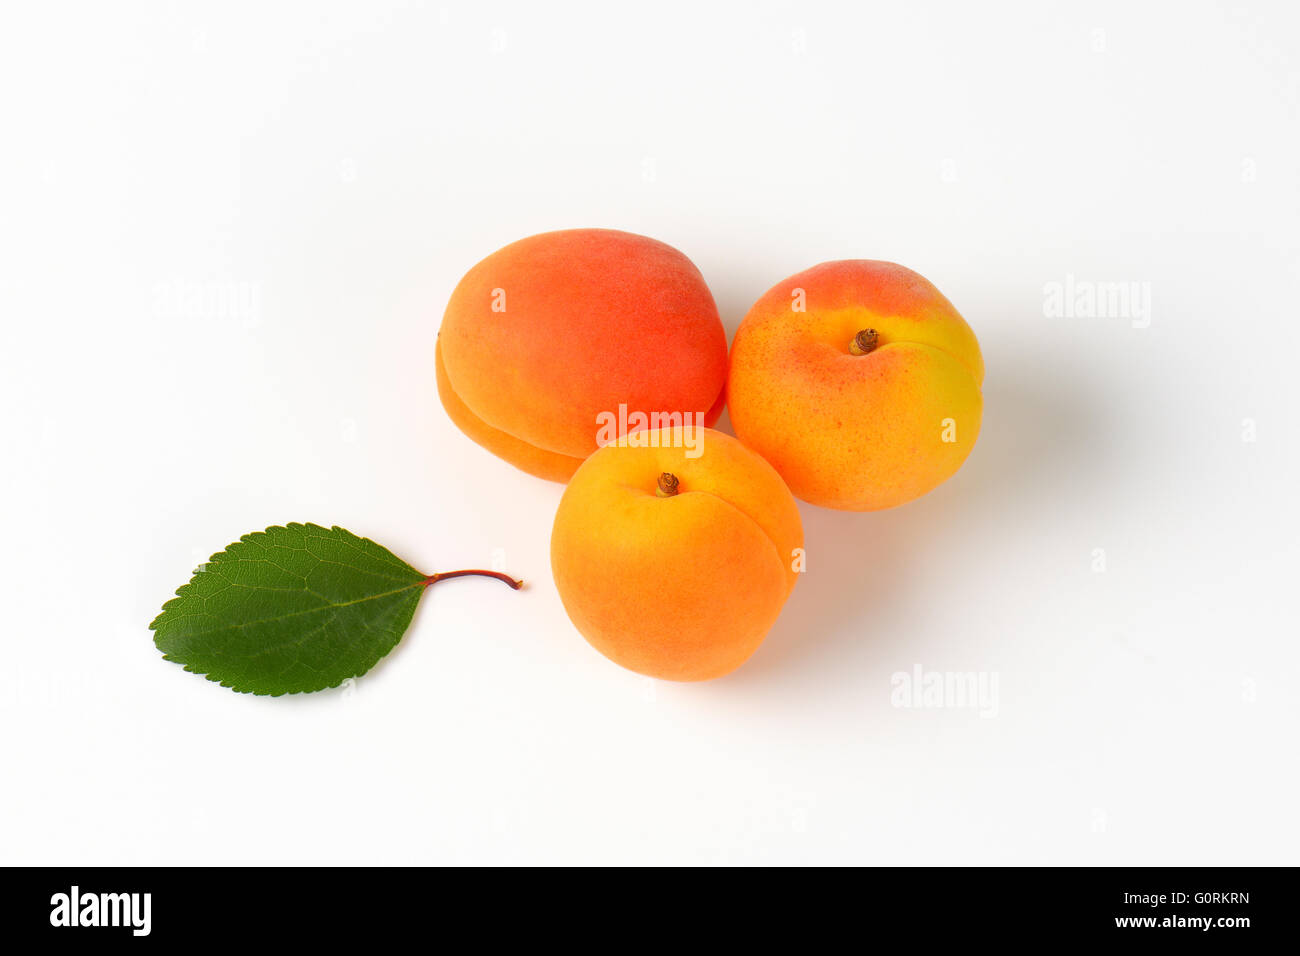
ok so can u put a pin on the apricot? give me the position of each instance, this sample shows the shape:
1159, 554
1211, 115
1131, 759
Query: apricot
674, 550
547, 335
859, 382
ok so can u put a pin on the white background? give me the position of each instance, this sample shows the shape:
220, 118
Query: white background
227, 233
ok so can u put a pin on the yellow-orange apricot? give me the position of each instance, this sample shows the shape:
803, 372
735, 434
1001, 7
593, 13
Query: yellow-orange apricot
673, 551
859, 382
548, 335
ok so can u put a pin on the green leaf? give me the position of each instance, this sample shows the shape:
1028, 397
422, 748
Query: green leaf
289, 610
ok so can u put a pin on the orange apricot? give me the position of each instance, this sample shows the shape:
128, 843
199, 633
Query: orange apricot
674, 550
859, 382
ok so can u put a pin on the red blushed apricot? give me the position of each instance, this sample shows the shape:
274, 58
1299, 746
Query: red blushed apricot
547, 335
859, 382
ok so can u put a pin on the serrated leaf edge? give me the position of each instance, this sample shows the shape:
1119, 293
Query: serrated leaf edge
292, 525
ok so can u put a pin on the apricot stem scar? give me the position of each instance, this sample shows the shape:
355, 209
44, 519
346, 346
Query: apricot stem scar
667, 486
864, 342
435, 578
